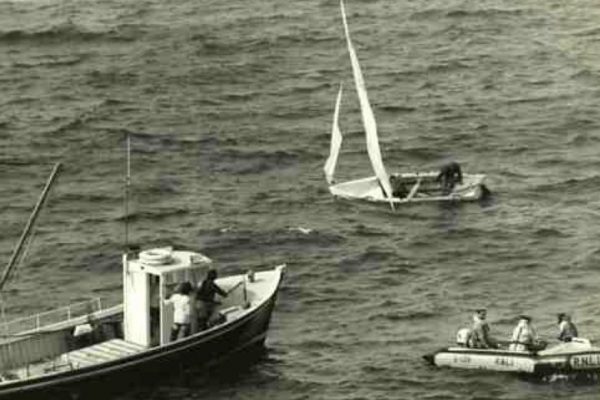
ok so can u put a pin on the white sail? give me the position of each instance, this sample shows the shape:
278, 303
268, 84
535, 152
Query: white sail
336, 141
367, 115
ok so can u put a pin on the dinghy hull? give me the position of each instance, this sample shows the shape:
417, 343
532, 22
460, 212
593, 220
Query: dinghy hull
575, 358
428, 190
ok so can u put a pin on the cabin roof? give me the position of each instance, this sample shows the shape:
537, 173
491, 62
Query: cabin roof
177, 261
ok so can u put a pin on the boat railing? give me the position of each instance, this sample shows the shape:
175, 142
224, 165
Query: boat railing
39, 321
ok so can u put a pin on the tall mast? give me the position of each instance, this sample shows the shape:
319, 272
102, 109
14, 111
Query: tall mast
127, 184
32, 218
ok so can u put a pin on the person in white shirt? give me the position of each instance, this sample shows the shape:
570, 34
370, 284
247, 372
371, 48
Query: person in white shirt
524, 335
182, 304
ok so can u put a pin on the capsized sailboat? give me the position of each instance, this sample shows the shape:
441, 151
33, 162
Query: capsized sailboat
395, 188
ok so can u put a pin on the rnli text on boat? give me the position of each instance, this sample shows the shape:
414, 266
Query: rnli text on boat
585, 361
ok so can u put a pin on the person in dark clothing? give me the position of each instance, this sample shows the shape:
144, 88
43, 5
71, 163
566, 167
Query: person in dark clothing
399, 189
450, 174
205, 296
567, 329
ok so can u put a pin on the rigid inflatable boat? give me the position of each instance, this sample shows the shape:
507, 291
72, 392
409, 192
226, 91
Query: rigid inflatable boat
572, 358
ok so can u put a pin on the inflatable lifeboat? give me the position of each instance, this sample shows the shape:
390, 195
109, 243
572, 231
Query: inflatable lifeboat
576, 357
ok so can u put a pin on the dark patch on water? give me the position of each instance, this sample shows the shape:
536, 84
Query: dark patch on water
242, 162
66, 32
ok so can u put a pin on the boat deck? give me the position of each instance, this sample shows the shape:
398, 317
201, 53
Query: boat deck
110, 350
101, 352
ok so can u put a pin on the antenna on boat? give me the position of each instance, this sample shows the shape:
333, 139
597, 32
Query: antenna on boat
127, 184
18, 251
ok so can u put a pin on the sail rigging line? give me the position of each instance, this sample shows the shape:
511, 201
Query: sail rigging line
336, 141
368, 116
18, 251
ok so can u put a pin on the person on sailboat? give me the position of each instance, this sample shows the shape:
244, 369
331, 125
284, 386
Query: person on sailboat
524, 335
450, 174
480, 332
181, 301
399, 189
206, 299
567, 329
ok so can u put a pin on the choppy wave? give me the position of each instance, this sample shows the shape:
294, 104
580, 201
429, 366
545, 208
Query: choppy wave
484, 13
67, 32
49, 61
250, 162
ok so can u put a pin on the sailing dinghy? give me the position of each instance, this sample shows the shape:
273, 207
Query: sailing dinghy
395, 188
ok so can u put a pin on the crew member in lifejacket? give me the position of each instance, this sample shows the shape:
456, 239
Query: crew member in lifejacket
524, 335
566, 328
450, 174
480, 332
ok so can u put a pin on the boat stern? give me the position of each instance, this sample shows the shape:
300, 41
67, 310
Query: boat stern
429, 358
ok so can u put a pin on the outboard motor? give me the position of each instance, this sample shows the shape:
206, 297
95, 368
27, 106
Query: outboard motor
462, 337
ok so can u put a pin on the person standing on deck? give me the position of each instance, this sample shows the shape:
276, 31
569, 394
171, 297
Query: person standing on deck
182, 311
206, 299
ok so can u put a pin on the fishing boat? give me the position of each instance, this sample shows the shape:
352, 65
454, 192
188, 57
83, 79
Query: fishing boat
571, 359
395, 188
89, 348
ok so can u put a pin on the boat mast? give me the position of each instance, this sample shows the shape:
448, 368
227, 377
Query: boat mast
127, 184
368, 117
32, 218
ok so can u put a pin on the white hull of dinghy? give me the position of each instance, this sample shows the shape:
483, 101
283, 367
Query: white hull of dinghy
491, 360
575, 357
428, 189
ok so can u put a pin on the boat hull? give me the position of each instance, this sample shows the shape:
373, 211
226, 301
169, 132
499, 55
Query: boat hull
368, 189
564, 359
200, 350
